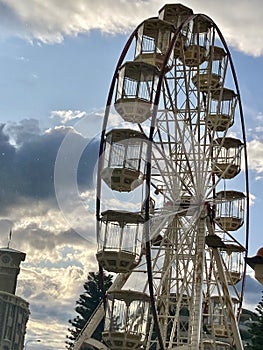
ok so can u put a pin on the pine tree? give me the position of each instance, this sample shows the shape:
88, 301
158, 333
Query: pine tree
256, 329
86, 305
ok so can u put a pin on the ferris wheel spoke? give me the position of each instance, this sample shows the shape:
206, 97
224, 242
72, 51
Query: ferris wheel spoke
185, 137
167, 173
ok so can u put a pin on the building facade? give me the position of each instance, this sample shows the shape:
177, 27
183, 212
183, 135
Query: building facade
14, 311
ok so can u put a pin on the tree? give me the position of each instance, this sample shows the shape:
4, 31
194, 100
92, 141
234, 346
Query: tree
86, 305
256, 329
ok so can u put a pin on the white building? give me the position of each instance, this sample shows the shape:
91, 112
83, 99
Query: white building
14, 311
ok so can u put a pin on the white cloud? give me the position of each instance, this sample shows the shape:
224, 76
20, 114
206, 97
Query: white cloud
52, 293
41, 228
50, 21
52, 335
259, 129
259, 117
252, 199
66, 116
255, 155
56, 266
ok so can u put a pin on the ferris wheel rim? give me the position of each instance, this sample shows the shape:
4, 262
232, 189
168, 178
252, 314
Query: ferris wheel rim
152, 129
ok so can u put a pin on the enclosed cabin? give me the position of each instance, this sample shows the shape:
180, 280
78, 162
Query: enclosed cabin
119, 240
233, 257
218, 317
136, 86
177, 14
222, 105
212, 72
124, 159
230, 210
227, 157
197, 46
210, 344
153, 40
126, 317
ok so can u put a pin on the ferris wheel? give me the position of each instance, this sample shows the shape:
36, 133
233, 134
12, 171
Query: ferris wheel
172, 198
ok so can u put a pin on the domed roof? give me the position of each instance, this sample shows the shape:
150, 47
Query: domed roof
260, 252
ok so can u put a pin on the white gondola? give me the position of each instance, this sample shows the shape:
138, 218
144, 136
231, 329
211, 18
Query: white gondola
227, 155
211, 73
177, 14
230, 210
124, 159
222, 109
126, 319
197, 50
119, 240
233, 257
153, 39
218, 321
135, 91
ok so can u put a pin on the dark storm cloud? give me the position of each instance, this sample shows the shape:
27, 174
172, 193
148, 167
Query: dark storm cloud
7, 170
28, 170
7, 150
46, 240
26, 129
87, 163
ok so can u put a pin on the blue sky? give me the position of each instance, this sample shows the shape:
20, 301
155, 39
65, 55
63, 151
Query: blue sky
56, 62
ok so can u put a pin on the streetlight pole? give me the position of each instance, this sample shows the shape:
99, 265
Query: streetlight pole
31, 341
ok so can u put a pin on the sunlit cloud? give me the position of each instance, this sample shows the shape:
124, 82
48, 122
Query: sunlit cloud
255, 155
259, 117
66, 116
51, 22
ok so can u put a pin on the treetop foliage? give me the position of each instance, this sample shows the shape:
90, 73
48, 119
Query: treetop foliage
87, 303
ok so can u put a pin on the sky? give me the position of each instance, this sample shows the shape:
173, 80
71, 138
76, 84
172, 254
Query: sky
57, 59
